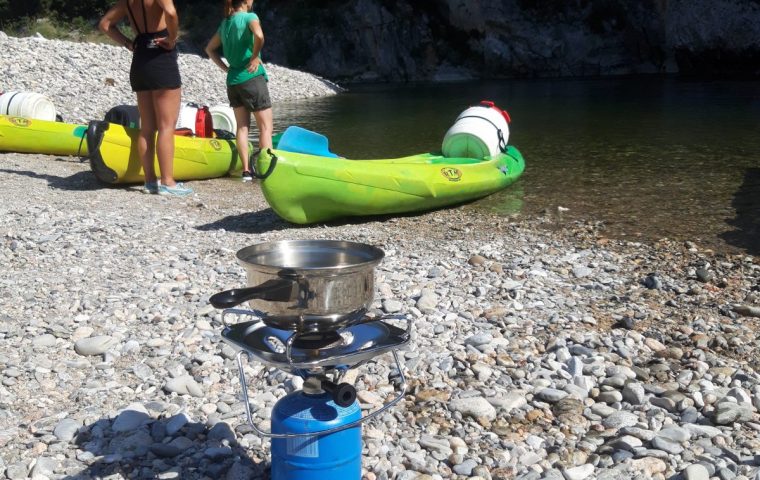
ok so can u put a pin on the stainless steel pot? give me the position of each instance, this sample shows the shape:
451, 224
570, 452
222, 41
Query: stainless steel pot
306, 285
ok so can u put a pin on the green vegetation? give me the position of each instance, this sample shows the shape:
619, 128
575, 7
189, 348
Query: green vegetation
60, 19
77, 30
77, 20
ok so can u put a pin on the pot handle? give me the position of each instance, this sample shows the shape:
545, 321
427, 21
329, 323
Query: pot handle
271, 290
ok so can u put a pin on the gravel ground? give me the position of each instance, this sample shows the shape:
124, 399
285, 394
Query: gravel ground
536, 353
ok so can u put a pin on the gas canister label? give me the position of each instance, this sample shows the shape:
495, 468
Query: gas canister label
306, 447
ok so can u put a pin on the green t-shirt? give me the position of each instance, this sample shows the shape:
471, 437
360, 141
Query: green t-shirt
237, 47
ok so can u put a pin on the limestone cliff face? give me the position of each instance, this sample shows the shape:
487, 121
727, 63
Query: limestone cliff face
714, 37
407, 40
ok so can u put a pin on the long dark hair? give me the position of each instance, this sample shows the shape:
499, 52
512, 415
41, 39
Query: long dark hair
231, 5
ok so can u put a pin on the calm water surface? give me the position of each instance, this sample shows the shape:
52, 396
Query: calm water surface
651, 158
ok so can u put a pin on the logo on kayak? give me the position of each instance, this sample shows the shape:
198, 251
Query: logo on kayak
452, 174
215, 145
20, 122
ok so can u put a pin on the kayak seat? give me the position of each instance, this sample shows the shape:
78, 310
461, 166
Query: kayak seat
299, 140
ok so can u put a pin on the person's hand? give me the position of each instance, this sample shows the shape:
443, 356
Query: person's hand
166, 43
254, 65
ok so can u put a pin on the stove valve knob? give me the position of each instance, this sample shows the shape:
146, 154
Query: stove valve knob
343, 394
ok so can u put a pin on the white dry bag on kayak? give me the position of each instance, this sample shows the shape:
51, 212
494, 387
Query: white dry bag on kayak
27, 105
195, 118
223, 118
480, 131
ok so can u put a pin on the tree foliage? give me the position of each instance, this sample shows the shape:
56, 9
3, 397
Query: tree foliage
68, 10
16, 11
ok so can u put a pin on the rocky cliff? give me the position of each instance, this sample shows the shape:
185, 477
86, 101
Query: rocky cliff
408, 40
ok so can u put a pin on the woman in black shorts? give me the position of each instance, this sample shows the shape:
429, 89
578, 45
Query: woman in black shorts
155, 79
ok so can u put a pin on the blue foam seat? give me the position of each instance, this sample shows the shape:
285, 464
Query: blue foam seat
299, 140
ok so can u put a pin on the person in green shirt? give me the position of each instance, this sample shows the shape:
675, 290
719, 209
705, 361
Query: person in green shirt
241, 39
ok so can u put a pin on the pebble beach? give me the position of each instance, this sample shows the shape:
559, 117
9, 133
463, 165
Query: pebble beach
537, 352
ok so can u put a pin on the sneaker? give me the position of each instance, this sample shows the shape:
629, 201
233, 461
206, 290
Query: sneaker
247, 176
151, 187
178, 190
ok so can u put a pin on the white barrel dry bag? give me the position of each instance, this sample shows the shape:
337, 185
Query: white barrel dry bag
223, 118
27, 105
480, 131
196, 118
188, 112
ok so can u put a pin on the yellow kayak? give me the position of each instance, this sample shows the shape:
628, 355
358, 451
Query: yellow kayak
114, 157
28, 135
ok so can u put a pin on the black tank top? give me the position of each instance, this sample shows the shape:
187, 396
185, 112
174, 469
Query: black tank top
145, 40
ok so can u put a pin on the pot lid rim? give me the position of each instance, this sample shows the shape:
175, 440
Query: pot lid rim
243, 256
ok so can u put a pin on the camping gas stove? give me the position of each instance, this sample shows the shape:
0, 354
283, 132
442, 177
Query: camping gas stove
316, 431
309, 301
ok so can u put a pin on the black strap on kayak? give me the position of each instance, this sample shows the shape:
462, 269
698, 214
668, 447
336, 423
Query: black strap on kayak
224, 134
8, 105
59, 118
81, 141
499, 133
272, 164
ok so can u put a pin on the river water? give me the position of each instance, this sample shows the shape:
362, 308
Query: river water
651, 158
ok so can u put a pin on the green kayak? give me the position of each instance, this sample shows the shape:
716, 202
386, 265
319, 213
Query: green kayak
318, 186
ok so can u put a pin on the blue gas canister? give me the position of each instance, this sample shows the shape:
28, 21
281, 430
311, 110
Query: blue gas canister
316, 457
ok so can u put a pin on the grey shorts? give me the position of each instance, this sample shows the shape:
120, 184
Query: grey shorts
252, 94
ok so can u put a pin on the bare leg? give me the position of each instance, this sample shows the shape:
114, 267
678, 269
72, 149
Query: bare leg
146, 146
167, 111
265, 124
243, 119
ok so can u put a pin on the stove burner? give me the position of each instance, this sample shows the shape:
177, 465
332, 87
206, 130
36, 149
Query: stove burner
322, 351
317, 341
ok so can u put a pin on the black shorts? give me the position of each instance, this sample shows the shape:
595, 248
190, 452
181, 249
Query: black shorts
252, 94
153, 68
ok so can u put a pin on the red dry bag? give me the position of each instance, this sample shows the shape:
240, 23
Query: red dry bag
203, 125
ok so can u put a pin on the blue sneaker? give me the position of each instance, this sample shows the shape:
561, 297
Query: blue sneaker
151, 187
178, 190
